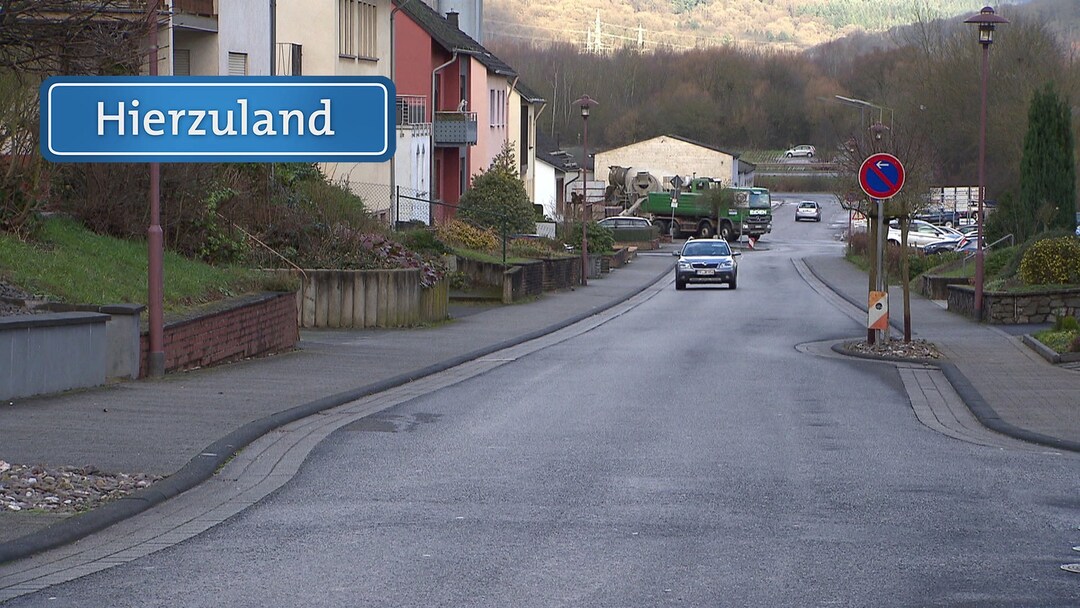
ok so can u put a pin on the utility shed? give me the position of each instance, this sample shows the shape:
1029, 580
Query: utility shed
669, 155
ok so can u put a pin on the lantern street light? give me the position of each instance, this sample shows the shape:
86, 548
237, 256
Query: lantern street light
986, 20
585, 103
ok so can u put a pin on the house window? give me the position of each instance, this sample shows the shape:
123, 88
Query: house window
357, 29
497, 107
238, 64
182, 62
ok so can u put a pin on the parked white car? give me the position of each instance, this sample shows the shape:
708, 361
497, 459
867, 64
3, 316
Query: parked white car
922, 233
803, 150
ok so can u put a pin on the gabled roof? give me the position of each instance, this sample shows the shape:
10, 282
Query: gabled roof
704, 145
450, 37
528, 94
547, 150
687, 140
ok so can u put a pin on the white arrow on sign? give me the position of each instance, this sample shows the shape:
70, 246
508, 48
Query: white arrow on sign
882, 163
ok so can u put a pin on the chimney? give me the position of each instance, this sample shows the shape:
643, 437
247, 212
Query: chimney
452, 18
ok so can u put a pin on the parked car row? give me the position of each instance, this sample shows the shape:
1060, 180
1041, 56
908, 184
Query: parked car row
922, 233
941, 216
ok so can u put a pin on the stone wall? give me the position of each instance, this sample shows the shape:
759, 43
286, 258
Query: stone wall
1008, 309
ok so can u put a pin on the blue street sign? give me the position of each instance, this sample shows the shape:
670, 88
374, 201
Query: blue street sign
218, 119
881, 176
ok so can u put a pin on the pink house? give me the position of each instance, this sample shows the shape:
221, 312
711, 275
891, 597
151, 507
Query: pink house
466, 93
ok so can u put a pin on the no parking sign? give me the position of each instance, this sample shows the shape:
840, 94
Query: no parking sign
881, 176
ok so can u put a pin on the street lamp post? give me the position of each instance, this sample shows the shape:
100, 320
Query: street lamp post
986, 20
585, 103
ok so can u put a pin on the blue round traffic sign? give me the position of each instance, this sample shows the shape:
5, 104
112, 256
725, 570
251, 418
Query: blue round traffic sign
881, 176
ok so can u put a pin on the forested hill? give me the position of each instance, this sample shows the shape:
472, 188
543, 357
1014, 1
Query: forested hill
774, 24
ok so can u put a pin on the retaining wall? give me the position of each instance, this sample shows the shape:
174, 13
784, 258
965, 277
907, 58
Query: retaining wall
51, 352
368, 298
1008, 309
246, 327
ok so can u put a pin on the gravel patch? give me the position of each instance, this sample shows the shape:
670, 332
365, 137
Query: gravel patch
916, 349
13, 301
64, 490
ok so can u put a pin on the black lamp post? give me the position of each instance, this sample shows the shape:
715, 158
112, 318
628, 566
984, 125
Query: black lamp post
585, 103
986, 20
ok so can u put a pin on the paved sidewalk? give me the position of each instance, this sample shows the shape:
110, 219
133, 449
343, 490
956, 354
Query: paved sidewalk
187, 425
1009, 387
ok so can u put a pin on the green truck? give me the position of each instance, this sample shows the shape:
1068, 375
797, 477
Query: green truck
704, 208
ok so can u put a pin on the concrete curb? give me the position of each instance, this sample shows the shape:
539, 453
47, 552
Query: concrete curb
202, 467
971, 397
1048, 353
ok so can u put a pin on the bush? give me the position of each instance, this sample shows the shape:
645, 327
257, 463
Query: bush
535, 248
350, 248
1066, 323
635, 235
1013, 267
424, 241
601, 239
1054, 261
497, 198
458, 233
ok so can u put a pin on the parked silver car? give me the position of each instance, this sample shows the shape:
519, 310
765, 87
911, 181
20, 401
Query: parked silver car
625, 221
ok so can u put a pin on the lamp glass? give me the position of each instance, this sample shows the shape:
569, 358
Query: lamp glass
986, 34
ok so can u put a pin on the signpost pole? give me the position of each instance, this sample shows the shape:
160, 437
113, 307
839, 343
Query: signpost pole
880, 337
881, 176
154, 241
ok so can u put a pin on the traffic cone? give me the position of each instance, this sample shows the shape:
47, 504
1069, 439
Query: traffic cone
751, 241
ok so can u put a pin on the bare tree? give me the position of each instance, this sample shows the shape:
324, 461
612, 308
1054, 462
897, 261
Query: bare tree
42, 38
73, 37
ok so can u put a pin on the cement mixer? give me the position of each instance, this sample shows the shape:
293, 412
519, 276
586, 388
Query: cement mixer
627, 187
641, 194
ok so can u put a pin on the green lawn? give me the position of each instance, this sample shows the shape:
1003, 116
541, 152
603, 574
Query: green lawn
71, 264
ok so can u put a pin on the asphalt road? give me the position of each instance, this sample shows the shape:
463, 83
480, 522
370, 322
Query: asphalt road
685, 452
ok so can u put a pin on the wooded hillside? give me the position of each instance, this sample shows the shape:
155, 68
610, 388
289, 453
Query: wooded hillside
682, 24
925, 78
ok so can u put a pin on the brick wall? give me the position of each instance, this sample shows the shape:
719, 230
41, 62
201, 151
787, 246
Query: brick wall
256, 325
561, 273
